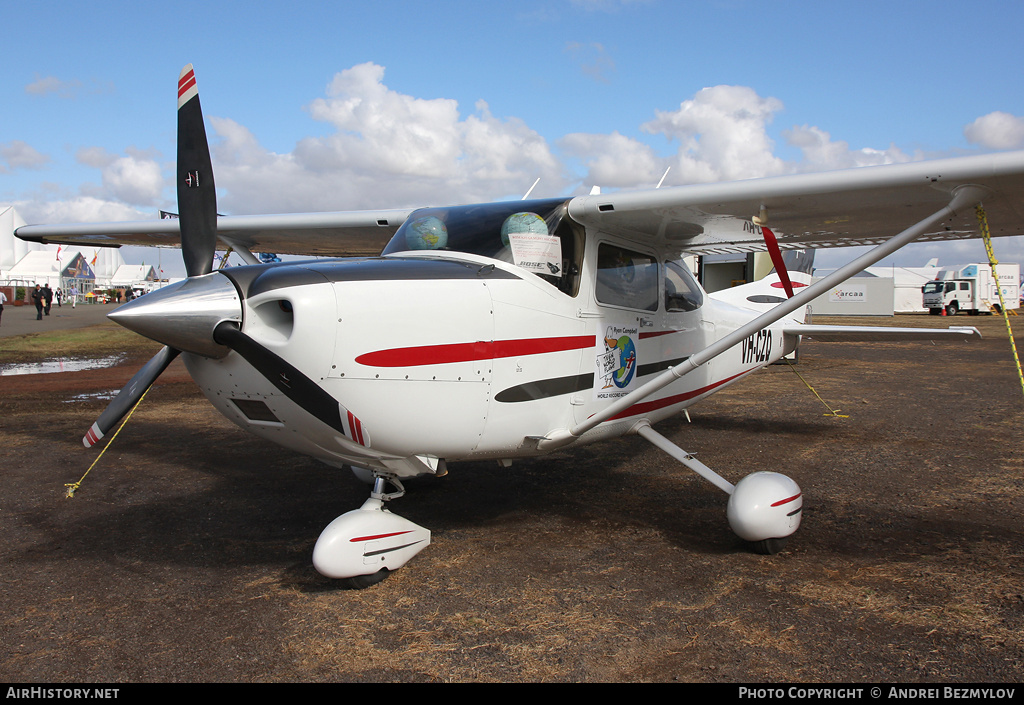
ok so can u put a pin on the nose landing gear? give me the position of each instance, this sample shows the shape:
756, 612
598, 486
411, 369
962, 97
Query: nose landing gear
364, 546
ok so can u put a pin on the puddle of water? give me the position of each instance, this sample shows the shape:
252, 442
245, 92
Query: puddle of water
90, 396
71, 364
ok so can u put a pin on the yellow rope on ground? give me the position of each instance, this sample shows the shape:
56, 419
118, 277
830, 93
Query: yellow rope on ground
831, 411
73, 487
992, 262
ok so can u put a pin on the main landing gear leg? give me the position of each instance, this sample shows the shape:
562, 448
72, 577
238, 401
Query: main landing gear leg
364, 546
764, 507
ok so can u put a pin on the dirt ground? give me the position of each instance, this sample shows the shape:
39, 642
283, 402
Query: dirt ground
185, 556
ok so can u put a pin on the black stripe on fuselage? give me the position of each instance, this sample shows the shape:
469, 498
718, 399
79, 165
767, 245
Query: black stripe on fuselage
557, 386
655, 367
544, 388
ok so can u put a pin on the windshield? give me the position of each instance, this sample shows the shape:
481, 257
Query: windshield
536, 236
933, 288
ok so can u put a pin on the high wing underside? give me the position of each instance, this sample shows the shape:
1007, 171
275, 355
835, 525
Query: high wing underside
860, 206
840, 208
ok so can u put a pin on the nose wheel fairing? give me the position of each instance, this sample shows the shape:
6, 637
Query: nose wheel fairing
366, 541
365, 545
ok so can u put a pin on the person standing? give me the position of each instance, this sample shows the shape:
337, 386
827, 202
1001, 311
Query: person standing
38, 298
3, 300
48, 295
74, 295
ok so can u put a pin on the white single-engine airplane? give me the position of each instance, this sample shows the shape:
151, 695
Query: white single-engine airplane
508, 330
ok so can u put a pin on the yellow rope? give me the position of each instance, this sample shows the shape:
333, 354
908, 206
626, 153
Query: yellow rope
831, 411
73, 487
224, 259
987, 238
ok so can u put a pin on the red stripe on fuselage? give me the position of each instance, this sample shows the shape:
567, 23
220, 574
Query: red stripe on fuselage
356, 429
648, 406
468, 352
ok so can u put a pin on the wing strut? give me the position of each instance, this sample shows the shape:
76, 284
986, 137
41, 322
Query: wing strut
963, 197
644, 430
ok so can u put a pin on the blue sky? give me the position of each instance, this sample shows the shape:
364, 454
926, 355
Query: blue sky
339, 105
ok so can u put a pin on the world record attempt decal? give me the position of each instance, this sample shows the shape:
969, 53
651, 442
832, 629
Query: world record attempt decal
617, 361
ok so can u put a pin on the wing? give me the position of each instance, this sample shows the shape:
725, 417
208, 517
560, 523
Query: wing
851, 207
343, 233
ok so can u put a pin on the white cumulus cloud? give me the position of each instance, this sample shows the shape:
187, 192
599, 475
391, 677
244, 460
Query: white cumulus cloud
135, 179
996, 130
51, 85
388, 150
614, 161
78, 209
821, 153
17, 154
722, 133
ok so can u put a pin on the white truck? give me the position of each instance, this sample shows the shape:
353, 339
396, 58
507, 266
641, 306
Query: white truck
972, 288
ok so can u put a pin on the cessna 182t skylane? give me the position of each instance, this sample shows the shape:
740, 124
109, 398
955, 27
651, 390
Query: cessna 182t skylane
510, 330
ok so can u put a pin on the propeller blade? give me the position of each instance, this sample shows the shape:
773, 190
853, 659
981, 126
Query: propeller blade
288, 379
197, 220
129, 395
197, 194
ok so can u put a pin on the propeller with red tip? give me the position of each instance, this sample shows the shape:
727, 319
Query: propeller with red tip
197, 203
203, 313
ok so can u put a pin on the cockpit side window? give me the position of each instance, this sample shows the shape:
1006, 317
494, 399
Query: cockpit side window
682, 293
626, 278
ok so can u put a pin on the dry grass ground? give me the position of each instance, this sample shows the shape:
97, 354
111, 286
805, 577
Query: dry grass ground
186, 554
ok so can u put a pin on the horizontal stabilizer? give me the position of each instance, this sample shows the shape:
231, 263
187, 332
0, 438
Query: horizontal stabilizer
838, 334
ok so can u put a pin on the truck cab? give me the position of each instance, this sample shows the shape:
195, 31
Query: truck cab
952, 295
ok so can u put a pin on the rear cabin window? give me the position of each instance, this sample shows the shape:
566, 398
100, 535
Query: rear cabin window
682, 293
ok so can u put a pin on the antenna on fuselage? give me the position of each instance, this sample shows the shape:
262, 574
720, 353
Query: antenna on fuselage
663, 177
527, 194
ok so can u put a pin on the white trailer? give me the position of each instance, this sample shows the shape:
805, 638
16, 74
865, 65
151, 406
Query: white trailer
972, 288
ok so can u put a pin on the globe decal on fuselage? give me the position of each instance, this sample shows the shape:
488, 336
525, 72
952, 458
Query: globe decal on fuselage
627, 353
